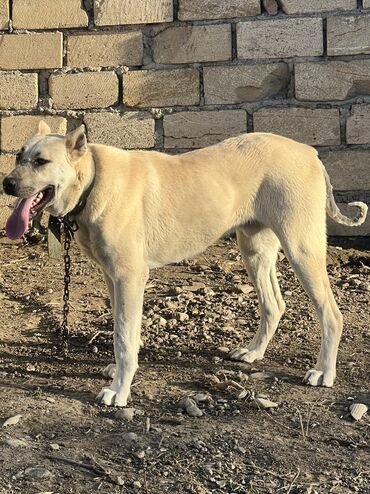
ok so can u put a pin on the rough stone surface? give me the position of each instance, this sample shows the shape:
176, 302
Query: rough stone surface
31, 51
48, 14
271, 6
7, 163
277, 38
132, 130
209, 9
105, 50
4, 14
348, 35
366, 4
18, 91
333, 80
145, 88
241, 83
348, 169
116, 12
188, 44
318, 127
83, 90
358, 126
305, 6
199, 129
17, 129
341, 230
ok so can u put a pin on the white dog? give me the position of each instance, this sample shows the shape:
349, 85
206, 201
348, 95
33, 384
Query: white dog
144, 209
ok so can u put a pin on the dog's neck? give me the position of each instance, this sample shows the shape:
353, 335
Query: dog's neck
81, 189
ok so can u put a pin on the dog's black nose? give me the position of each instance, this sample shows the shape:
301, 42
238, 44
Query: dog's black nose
9, 186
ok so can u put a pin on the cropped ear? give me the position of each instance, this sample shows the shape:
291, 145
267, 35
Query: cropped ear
44, 128
76, 143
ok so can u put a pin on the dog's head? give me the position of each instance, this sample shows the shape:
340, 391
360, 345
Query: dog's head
44, 172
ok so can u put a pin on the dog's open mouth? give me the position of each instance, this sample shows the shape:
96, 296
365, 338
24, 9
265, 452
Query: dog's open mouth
24, 210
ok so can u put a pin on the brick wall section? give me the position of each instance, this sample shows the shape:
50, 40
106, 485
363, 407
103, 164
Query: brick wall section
18, 91
48, 14
4, 14
105, 50
316, 127
315, 6
280, 38
175, 75
83, 90
147, 88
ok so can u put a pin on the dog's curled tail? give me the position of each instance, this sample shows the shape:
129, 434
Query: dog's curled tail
333, 210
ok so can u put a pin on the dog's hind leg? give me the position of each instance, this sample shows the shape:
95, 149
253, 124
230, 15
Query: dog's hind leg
259, 247
308, 259
128, 304
110, 369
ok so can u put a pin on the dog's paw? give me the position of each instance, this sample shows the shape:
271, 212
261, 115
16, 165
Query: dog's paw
110, 397
245, 355
109, 371
316, 377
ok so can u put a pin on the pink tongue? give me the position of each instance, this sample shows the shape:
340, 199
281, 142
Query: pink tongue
17, 223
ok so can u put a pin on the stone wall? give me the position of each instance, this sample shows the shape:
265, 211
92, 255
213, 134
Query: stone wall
180, 74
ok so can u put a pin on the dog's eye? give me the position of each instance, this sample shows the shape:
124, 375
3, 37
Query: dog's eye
41, 161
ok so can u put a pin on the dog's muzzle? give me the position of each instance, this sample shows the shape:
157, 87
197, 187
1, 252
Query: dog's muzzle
10, 186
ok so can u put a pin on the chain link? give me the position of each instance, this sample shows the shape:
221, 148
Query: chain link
69, 228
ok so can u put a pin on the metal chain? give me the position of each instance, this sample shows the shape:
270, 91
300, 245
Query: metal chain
70, 227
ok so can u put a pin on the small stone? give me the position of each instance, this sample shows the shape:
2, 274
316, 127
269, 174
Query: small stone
288, 293
140, 454
258, 376
129, 437
202, 398
243, 289
162, 321
358, 410
12, 420
223, 349
30, 368
265, 404
126, 414
120, 481
54, 446
182, 317
136, 484
16, 443
190, 407
243, 393
37, 473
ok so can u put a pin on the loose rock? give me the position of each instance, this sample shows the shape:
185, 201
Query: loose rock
358, 410
37, 473
265, 404
12, 420
126, 414
16, 443
190, 407
129, 437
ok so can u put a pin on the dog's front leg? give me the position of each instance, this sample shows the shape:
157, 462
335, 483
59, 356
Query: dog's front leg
128, 306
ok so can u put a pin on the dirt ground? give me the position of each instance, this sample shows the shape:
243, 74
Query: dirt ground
194, 312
